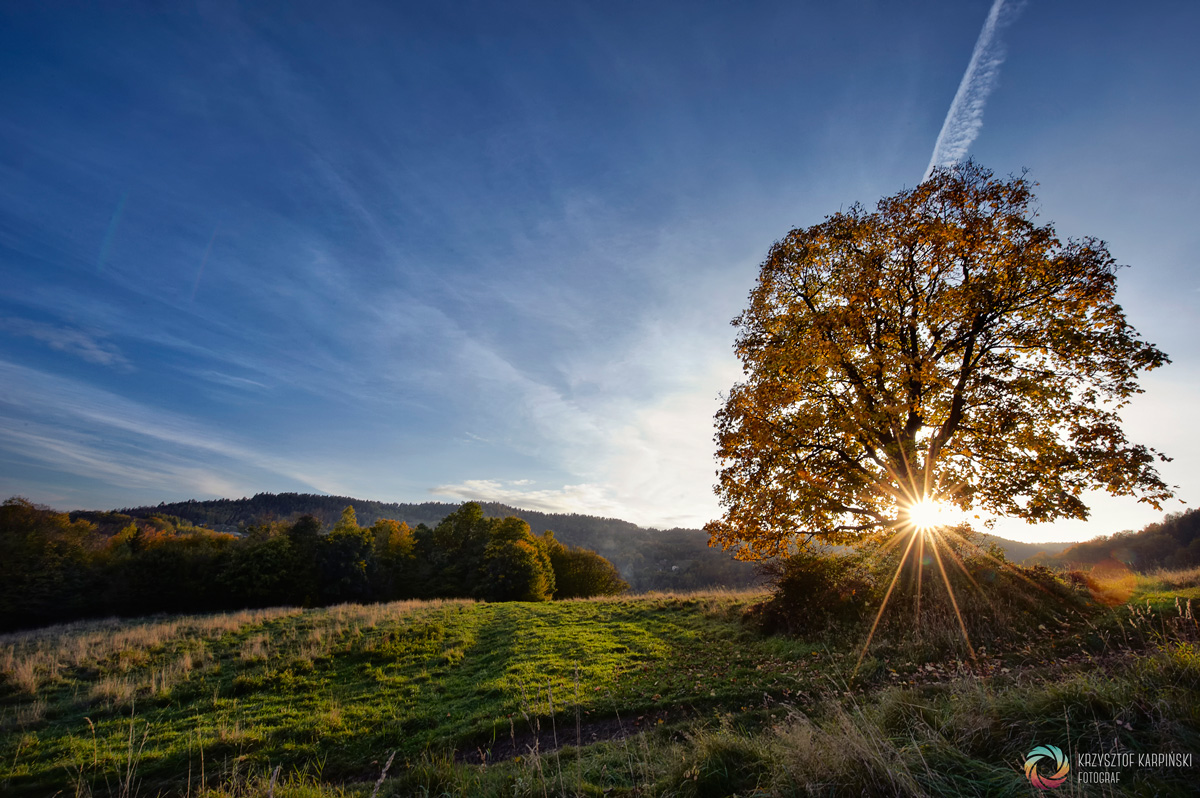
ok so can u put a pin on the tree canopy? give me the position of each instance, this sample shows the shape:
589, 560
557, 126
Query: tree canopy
53, 568
943, 346
650, 559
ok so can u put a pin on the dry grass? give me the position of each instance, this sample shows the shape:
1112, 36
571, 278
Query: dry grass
1163, 579
255, 649
22, 672
713, 594
113, 690
23, 716
362, 617
845, 751
130, 652
40, 653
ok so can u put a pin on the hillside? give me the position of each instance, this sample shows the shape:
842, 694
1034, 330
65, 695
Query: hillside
641, 697
1019, 552
1173, 542
649, 559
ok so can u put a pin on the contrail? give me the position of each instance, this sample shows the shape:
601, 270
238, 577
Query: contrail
965, 117
106, 244
204, 261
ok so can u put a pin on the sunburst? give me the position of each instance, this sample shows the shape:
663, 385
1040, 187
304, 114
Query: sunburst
923, 522
921, 536
926, 525
926, 515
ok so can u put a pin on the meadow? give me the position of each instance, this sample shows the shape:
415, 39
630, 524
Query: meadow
660, 694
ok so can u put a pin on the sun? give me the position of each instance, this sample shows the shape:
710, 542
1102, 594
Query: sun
927, 514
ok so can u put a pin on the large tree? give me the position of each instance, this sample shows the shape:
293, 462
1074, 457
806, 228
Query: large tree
943, 346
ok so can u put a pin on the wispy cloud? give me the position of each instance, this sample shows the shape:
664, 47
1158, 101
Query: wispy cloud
87, 346
64, 404
590, 499
86, 456
965, 117
229, 381
648, 460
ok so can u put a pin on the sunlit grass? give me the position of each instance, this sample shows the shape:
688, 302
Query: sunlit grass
665, 694
338, 685
1168, 579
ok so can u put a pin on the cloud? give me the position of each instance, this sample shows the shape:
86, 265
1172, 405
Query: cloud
86, 456
71, 341
229, 380
965, 117
65, 404
584, 498
646, 460
629, 425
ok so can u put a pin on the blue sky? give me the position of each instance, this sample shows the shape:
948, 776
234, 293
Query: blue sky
438, 251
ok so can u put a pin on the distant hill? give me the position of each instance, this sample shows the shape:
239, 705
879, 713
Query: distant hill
649, 559
1171, 543
1019, 552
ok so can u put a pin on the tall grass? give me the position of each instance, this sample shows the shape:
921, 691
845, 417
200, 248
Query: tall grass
1164, 579
580, 699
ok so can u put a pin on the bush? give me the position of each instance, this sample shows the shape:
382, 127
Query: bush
815, 591
933, 597
581, 573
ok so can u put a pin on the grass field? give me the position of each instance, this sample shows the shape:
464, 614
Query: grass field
652, 695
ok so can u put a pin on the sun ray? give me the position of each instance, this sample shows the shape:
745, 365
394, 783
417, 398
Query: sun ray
892, 542
1002, 564
883, 605
913, 495
920, 576
929, 526
957, 560
954, 602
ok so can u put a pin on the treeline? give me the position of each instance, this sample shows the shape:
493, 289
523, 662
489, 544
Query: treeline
55, 567
1171, 543
649, 559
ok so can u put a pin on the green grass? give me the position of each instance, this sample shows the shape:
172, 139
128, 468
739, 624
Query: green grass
655, 695
330, 691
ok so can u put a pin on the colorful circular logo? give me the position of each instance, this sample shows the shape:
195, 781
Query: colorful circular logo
1061, 767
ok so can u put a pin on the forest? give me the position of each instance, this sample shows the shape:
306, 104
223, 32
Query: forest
648, 559
1171, 543
55, 567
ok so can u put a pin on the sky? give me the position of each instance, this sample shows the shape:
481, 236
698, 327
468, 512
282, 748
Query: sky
447, 251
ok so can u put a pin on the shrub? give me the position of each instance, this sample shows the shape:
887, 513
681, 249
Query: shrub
581, 573
814, 591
